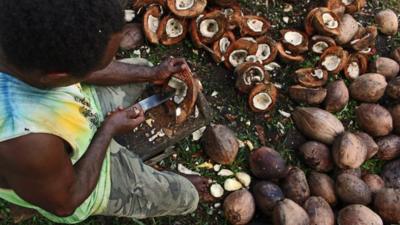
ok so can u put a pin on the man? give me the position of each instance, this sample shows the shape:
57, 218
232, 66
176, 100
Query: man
57, 153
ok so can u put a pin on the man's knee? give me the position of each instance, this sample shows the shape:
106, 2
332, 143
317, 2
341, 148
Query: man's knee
189, 197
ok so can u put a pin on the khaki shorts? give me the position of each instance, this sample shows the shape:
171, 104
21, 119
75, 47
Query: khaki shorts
137, 190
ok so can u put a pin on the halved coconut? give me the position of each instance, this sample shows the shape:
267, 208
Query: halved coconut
254, 26
172, 30
266, 49
334, 59
138, 4
311, 77
151, 22
320, 43
294, 40
356, 66
208, 28
326, 22
353, 6
238, 52
308, 22
263, 97
336, 6
187, 8
221, 46
288, 56
311, 96
365, 38
248, 75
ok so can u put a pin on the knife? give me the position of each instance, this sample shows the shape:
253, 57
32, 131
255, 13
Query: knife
155, 100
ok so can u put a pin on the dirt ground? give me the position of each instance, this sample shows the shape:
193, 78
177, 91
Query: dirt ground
232, 110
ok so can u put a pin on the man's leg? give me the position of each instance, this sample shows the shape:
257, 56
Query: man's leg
139, 191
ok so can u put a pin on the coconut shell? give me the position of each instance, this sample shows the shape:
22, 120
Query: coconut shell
220, 144
393, 88
138, 4
308, 22
358, 215
355, 6
287, 56
348, 151
374, 119
319, 211
395, 112
387, 205
156, 12
322, 185
246, 30
272, 45
320, 26
391, 174
198, 38
239, 207
389, 147
233, 14
317, 124
295, 186
386, 67
195, 10
267, 195
339, 52
374, 182
347, 29
241, 44
369, 87
396, 55
365, 37
217, 54
362, 62
372, 147
248, 75
337, 96
307, 78
387, 22
270, 89
329, 42
317, 156
301, 48
287, 212
311, 96
353, 190
266, 163
162, 33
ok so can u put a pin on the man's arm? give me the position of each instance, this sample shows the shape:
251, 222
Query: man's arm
38, 169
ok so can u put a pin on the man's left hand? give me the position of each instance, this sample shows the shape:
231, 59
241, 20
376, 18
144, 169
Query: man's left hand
167, 68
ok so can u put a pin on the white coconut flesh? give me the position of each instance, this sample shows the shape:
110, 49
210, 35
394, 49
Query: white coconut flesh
184, 4
174, 28
208, 28
263, 52
238, 57
331, 62
320, 47
228, 12
262, 101
252, 75
353, 70
329, 21
255, 25
318, 73
347, 2
217, 190
293, 38
272, 66
180, 89
153, 23
224, 44
249, 39
365, 51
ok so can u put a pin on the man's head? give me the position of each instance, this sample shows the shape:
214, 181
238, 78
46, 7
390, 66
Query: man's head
53, 37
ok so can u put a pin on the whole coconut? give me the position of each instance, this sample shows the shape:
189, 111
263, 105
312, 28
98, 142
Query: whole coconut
337, 96
348, 151
358, 215
389, 147
374, 119
391, 174
369, 87
396, 55
322, 185
311, 96
395, 112
266, 163
317, 124
355, 172
239, 207
370, 144
319, 211
393, 88
387, 205
348, 28
386, 67
295, 186
387, 22
220, 144
288, 212
317, 156
374, 182
267, 195
352, 190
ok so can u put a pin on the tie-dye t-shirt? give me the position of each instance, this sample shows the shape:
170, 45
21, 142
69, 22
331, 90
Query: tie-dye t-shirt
72, 113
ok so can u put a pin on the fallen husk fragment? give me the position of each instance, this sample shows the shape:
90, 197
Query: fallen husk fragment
288, 56
187, 8
334, 59
319, 43
356, 66
326, 22
221, 46
311, 77
151, 22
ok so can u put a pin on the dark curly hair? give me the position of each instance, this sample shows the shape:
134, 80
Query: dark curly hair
58, 35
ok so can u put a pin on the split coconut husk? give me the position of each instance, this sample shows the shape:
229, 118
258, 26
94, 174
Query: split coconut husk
249, 74
254, 26
294, 40
266, 50
365, 38
263, 97
151, 22
172, 30
320, 43
187, 8
308, 22
356, 66
336, 6
326, 22
238, 52
311, 77
221, 46
288, 56
208, 28
233, 14
334, 59
353, 6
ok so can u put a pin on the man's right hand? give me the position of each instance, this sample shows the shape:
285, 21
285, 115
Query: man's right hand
123, 121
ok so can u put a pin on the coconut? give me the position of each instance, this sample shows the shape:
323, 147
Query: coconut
172, 30
288, 56
238, 52
365, 38
180, 89
308, 22
221, 46
334, 59
266, 163
369, 87
208, 28
337, 96
322, 185
187, 8
151, 22
239, 207
358, 215
317, 124
262, 97
374, 119
248, 75
267, 195
319, 211
352, 190
287, 212
355, 172
320, 43
393, 88
347, 29
386, 67
294, 40
389, 147
374, 182
266, 49
391, 174
310, 77
396, 55
311, 96
356, 66
254, 26
348, 151
395, 112
387, 21
220, 144
326, 22
295, 186
317, 156
387, 205
370, 144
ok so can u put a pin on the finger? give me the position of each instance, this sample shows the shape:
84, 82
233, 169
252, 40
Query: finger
178, 61
138, 120
135, 111
120, 108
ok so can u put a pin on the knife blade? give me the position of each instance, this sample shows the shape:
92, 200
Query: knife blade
155, 100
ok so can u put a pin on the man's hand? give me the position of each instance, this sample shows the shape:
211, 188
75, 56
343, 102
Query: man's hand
122, 121
167, 68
